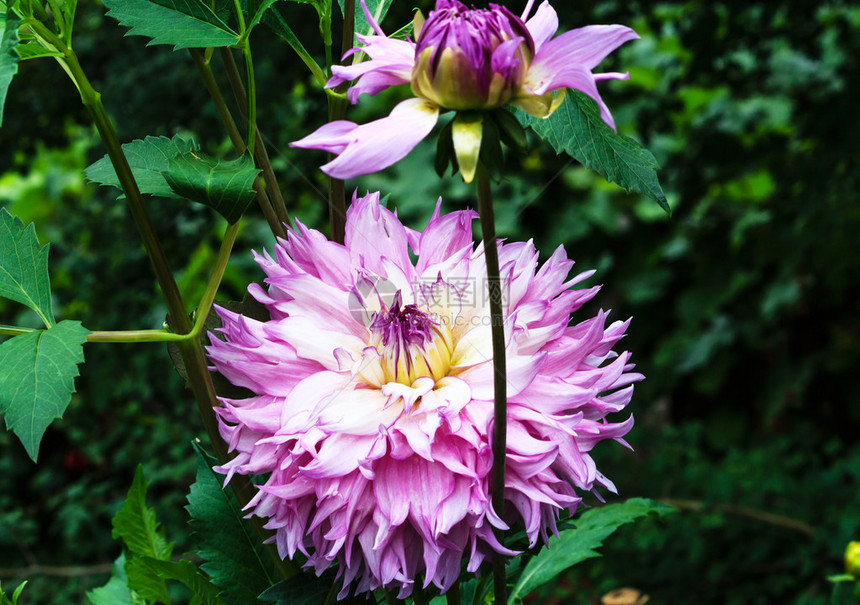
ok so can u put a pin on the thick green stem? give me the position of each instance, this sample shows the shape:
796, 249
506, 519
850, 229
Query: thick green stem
336, 111
191, 349
236, 138
261, 154
494, 284
252, 97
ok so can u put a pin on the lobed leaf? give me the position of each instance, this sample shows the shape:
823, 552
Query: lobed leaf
24, 267
180, 23
232, 555
9, 23
578, 544
223, 185
38, 379
577, 129
116, 591
148, 159
187, 573
136, 524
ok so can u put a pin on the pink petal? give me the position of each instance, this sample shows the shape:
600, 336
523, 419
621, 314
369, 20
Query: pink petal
379, 144
543, 25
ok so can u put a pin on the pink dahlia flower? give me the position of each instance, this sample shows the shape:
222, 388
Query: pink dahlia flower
462, 59
372, 411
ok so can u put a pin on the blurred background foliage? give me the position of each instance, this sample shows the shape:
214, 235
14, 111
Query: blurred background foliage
745, 302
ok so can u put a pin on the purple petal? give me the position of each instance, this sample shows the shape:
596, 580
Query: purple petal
543, 25
332, 137
379, 144
586, 46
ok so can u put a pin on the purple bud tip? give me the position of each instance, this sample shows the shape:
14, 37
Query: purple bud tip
469, 58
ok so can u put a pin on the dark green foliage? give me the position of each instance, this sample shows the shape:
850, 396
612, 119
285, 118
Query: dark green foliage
148, 159
223, 185
577, 129
179, 23
231, 552
24, 267
580, 543
302, 589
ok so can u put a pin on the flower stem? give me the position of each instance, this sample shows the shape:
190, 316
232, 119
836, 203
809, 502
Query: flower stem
261, 155
491, 253
336, 111
190, 349
238, 143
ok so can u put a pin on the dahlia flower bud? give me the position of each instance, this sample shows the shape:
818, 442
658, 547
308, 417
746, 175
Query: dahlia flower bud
471, 58
472, 61
852, 559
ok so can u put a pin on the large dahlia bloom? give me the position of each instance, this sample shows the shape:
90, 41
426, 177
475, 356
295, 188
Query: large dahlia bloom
462, 59
372, 412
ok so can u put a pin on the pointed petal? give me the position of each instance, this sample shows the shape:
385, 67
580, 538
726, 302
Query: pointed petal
466, 134
543, 25
586, 46
332, 137
379, 144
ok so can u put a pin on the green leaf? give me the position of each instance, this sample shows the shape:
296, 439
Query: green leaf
378, 9
232, 554
578, 544
148, 159
136, 525
38, 378
4, 600
223, 185
187, 573
9, 23
116, 591
301, 589
180, 23
145, 581
24, 267
259, 10
576, 128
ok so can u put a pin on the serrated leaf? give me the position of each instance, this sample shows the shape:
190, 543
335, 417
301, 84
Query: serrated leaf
378, 9
9, 23
148, 159
179, 23
223, 185
187, 573
258, 10
116, 591
135, 524
232, 555
144, 581
24, 267
579, 543
38, 379
577, 129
